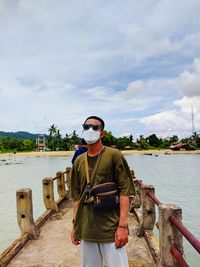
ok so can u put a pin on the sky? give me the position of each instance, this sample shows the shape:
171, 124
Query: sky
136, 64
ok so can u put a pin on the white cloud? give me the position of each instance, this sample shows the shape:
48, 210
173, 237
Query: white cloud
143, 94
2, 5
155, 34
161, 122
175, 121
189, 43
190, 81
178, 120
186, 104
61, 63
98, 92
134, 89
32, 83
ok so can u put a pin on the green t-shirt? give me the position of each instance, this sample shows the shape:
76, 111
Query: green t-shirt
91, 225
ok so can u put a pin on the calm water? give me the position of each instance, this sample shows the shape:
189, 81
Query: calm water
176, 178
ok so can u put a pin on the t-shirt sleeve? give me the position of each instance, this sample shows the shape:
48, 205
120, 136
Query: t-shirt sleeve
123, 176
75, 183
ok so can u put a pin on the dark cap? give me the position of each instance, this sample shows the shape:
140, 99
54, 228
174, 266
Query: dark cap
98, 119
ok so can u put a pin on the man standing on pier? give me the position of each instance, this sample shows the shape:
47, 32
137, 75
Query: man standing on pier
101, 234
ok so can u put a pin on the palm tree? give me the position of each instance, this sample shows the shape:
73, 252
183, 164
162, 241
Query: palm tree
58, 138
51, 137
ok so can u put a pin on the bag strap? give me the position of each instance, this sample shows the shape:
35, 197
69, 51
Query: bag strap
87, 169
95, 167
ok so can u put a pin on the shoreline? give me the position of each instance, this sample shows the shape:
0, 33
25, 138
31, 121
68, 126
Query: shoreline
125, 152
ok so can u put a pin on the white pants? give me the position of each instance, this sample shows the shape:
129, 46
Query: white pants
100, 254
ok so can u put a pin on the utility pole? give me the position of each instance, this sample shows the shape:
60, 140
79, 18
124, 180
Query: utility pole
193, 128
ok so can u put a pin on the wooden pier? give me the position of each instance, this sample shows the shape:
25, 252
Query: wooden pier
47, 242
54, 247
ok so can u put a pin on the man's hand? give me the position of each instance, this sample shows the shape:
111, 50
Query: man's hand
121, 237
74, 241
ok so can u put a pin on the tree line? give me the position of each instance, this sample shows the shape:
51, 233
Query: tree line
55, 141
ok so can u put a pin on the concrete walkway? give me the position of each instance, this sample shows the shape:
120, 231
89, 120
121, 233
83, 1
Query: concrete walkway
54, 247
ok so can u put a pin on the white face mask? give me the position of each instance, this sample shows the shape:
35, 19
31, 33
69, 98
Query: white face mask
91, 136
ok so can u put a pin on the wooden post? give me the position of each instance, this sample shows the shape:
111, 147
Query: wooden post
148, 217
25, 213
48, 194
138, 194
135, 201
61, 184
169, 234
68, 176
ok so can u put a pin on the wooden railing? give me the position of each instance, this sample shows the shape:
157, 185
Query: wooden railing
171, 229
24, 201
29, 228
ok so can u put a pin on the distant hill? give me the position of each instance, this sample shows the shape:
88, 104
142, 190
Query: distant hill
20, 135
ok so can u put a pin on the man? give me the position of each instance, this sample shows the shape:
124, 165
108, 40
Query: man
81, 149
102, 235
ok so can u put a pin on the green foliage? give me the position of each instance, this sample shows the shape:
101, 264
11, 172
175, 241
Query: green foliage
120, 143
108, 139
74, 138
28, 144
143, 142
67, 143
51, 141
14, 144
56, 142
164, 143
54, 139
18, 135
174, 138
125, 142
153, 140
9, 143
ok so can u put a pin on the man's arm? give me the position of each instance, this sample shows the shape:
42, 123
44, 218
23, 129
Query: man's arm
121, 235
74, 210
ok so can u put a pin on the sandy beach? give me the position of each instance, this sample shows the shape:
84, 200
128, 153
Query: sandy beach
125, 152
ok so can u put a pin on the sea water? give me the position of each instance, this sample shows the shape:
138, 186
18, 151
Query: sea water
175, 178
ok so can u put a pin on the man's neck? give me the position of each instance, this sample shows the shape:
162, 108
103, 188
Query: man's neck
94, 149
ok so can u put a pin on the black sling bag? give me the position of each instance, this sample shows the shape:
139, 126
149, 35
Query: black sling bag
102, 197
